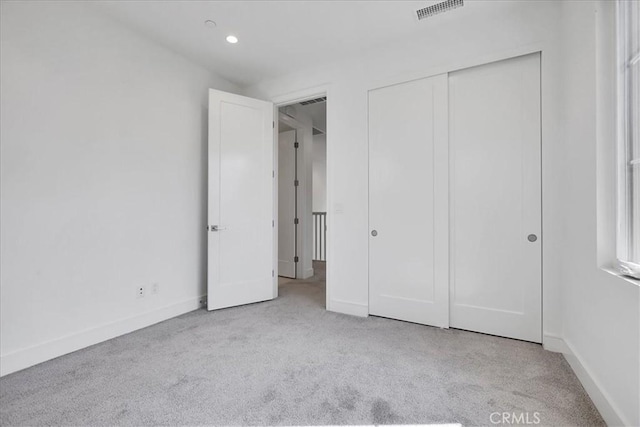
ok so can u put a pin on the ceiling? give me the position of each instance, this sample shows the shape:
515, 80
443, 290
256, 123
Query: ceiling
276, 37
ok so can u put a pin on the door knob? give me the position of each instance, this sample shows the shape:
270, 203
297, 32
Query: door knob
532, 238
374, 233
215, 228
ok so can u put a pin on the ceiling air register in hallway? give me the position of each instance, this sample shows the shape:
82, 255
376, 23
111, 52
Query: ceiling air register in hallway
437, 8
314, 101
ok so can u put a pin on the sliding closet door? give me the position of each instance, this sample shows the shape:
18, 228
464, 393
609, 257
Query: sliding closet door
408, 248
496, 198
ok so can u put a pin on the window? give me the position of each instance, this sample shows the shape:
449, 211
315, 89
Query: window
628, 74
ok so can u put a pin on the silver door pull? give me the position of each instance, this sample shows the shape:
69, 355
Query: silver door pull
374, 233
532, 238
216, 228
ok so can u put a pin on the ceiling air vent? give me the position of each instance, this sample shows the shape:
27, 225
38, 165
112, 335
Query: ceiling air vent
314, 101
438, 8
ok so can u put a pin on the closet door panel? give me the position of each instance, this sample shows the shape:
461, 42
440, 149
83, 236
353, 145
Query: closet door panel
408, 270
496, 198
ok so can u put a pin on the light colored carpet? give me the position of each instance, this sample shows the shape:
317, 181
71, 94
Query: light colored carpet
290, 362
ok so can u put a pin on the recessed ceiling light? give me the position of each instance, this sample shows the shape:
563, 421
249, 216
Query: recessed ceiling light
210, 24
232, 39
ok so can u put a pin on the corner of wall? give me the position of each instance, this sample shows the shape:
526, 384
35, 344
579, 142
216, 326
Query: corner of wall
594, 389
555, 344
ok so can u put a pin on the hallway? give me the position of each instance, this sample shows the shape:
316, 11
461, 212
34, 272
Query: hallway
306, 291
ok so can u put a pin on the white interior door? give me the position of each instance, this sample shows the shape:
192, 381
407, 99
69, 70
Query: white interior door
496, 198
408, 202
240, 208
287, 204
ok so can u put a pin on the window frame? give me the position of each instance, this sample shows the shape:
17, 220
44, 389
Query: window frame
628, 160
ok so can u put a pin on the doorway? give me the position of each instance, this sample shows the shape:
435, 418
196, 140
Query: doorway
243, 212
302, 216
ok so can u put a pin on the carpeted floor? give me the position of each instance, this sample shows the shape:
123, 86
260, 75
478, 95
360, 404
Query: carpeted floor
290, 362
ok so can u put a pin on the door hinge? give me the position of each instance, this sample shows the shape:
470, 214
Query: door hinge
273, 125
295, 258
273, 174
273, 223
296, 221
296, 145
273, 273
296, 183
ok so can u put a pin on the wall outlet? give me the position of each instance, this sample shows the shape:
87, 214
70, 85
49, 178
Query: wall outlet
140, 292
155, 288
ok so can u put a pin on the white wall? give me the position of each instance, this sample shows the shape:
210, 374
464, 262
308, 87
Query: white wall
103, 169
484, 32
103, 166
597, 313
601, 313
319, 173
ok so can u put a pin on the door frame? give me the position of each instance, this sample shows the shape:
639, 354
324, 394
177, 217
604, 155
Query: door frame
283, 101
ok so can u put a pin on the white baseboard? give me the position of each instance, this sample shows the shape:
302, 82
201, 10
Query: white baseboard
31, 356
555, 343
600, 398
351, 308
307, 273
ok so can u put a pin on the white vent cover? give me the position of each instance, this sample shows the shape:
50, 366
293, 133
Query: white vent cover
444, 6
314, 101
